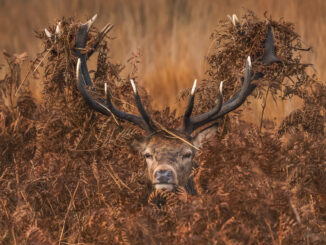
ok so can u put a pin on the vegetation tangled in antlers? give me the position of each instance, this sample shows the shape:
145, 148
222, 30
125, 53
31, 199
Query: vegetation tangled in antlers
67, 175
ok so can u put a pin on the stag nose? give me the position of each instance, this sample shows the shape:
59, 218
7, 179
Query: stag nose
163, 176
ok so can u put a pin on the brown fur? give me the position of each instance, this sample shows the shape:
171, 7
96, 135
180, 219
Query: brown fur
170, 153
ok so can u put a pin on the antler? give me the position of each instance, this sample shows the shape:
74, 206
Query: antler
220, 109
144, 121
83, 79
269, 56
192, 123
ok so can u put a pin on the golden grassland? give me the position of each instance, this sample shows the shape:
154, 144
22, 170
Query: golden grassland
170, 38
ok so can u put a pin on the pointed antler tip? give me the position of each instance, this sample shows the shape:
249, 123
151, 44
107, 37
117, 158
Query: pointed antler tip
133, 85
90, 22
57, 29
221, 86
78, 67
47, 33
94, 18
194, 87
234, 19
249, 61
105, 88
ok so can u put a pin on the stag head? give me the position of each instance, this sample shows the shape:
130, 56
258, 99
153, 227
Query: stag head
168, 153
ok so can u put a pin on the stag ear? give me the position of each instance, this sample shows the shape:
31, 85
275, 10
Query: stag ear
204, 135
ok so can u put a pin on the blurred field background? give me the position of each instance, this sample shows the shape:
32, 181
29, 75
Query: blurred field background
171, 37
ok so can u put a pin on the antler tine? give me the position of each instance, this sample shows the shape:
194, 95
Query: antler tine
141, 108
190, 105
84, 79
81, 36
234, 20
47, 33
81, 85
140, 121
90, 22
100, 37
269, 56
238, 98
191, 124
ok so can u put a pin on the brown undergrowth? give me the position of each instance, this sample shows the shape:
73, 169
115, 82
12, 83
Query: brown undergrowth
67, 175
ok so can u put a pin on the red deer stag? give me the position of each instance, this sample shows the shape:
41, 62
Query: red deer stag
169, 160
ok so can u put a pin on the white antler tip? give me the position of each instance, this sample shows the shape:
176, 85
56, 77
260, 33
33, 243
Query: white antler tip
235, 18
221, 87
47, 33
249, 61
90, 22
57, 29
105, 88
78, 67
194, 87
133, 85
94, 18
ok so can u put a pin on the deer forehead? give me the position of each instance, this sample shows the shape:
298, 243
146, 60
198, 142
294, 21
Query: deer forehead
166, 147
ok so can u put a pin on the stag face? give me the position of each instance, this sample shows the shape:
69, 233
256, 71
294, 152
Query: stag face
169, 161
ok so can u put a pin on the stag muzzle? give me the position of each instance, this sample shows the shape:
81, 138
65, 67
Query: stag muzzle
165, 178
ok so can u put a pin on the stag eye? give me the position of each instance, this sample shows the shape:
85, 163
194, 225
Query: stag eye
148, 156
186, 155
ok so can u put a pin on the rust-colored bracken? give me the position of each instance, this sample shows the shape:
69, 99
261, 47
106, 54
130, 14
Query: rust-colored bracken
67, 175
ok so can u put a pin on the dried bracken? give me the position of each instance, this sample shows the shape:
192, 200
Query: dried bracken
67, 175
